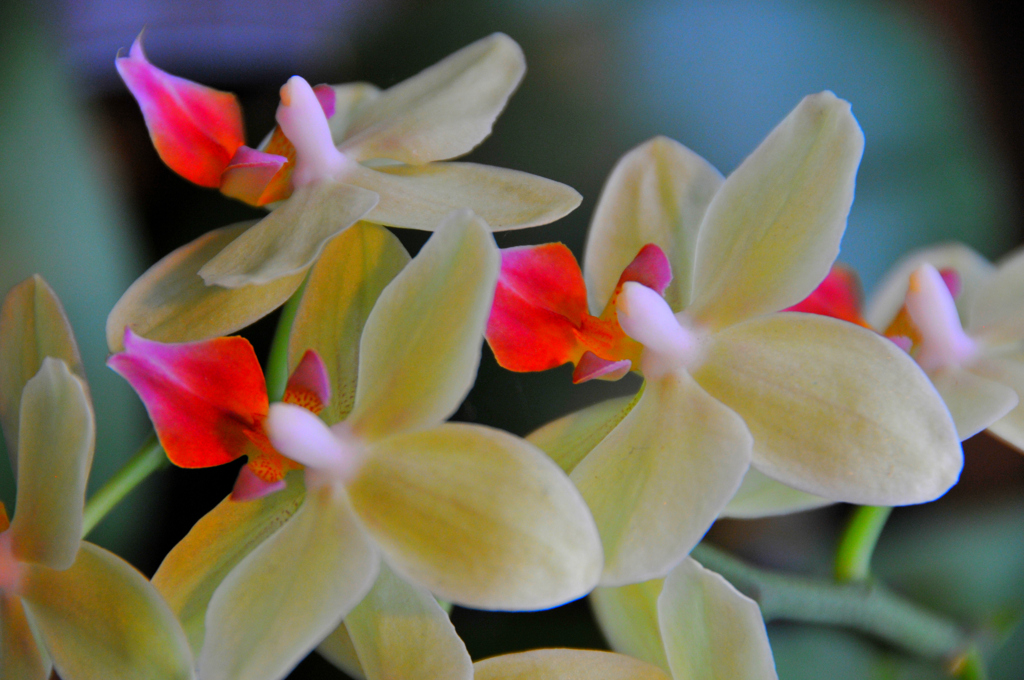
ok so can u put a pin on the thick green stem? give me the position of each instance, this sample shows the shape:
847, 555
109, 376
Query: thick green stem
853, 558
149, 458
864, 607
277, 364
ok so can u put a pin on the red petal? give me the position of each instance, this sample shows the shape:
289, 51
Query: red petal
837, 296
650, 267
206, 399
195, 129
539, 302
309, 385
249, 487
249, 173
591, 367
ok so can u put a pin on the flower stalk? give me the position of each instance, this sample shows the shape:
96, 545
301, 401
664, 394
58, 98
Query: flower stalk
147, 460
857, 545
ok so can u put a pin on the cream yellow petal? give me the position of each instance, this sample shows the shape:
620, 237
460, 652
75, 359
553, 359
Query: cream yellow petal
195, 567
565, 664
996, 310
102, 619
570, 438
835, 409
285, 596
479, 517
287, 241
350, 100
33, 326
57, 436
171, 303
711, 630
419, 197
973, 401
889, 295
20, 655
342, 288
659, 479
421, 344
657, 193
772, 231
443, 111
628, 617
400, 632
337, 648
761, 496
1007, 369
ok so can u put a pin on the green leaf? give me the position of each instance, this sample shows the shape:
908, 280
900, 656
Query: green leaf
103, 619
628, 616
570, 438
58, 434
171, 303
565, 664
479, 517
342, 289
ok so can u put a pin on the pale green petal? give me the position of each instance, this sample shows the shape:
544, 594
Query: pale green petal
658, 480
889, 295
628, 617
973, 401
996, 310
772, 231
419, 197
342, 288
761, 496
57, 436
287, 241
20, 655
711, 630
565, 664
657, 193
443, 111
400, 632
479, 517
337, 648
195, 567
102, 619
835, 409
570, 438
350, 100
1008, 370
288, 593
171, 303
421, 345
33, 326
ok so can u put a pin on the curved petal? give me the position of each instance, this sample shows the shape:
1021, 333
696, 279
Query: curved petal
565, 664
249, 174
338, 649
479, 517
890, 294
772, 231
419, 197
350, 99
195, 567
973, 401
339, 294
711, 630
1008, 370
761, 496
285, 596
102, 619
170, 302
657, 193
628, 617
997, 308
400, 632
33, 326
658, 480
58, 433
443, 111
835, 409
570, 438
288, 240
195, 129
420, 348
206, 399
19, 650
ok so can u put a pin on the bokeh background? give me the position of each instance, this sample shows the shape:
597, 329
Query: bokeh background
936, 84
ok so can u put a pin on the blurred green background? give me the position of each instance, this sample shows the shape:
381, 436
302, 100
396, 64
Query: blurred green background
936, 85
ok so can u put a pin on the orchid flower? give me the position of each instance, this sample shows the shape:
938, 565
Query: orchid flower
823, 406
472, 514
961, 318
65, 604
347, 153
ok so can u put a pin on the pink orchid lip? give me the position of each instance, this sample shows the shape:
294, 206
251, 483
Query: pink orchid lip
593, 367
249, 487
249, 173
12, 571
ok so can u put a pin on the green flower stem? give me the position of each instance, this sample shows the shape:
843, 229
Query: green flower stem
864, 607
147, 460
853, 558
971, 666
277, 364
